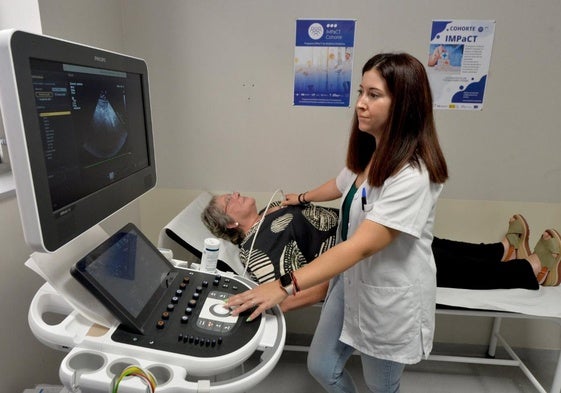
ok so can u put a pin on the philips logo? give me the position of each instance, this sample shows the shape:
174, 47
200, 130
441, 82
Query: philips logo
100, 59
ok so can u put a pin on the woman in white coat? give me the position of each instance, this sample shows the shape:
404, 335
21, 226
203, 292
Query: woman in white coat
381, 299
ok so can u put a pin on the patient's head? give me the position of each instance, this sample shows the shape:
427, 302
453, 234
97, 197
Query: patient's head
226, 215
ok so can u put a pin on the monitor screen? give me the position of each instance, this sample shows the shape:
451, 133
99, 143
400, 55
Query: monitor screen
78, 126
127, 274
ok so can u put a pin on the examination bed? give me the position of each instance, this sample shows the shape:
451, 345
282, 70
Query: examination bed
185, 234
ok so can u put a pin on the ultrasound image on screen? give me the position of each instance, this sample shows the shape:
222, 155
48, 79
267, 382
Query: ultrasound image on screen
107, 131
92, 128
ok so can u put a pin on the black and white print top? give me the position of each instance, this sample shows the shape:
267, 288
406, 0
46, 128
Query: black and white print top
289, 238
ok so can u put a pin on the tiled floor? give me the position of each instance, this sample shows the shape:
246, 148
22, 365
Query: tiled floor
290, 375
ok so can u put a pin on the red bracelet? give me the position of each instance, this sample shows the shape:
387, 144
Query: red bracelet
295, 283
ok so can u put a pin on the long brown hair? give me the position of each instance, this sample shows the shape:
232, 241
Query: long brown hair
410, 135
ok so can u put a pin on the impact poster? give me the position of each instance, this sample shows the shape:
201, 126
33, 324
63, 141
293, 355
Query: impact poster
323, 62
458, 62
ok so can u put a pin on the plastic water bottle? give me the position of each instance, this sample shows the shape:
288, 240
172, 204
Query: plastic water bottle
210, 255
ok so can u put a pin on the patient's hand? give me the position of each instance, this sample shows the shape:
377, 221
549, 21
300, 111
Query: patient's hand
262, 297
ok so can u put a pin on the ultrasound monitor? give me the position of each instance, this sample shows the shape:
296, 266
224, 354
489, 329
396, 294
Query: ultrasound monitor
77, 121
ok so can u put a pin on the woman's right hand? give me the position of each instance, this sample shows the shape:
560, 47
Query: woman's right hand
260, 299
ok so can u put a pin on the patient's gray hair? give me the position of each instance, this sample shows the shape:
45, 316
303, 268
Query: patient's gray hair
217, 223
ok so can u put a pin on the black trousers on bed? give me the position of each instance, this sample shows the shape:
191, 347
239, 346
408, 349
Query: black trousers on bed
479, 266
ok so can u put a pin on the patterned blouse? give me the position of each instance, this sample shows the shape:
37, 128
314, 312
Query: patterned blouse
288, 239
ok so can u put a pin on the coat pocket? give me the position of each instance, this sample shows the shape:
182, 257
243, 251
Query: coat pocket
389, 315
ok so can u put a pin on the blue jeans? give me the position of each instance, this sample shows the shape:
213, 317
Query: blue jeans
327, 356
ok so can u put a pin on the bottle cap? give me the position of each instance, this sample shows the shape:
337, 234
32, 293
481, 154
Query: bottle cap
212, 244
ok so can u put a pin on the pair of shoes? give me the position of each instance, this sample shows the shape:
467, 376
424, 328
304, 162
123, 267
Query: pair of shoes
549, 253
518, 235
542, 275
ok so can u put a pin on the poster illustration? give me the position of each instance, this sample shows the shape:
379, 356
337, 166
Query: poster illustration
323, 62
458, 62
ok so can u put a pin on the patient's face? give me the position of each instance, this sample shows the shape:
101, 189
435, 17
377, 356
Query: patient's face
236, 206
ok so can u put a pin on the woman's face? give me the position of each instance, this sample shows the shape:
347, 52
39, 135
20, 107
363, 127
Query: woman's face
373, 104
236, 206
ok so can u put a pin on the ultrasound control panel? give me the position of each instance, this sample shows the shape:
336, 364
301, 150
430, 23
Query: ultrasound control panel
191, 318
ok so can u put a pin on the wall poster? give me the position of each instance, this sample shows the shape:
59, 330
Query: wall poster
458, 63
323, 62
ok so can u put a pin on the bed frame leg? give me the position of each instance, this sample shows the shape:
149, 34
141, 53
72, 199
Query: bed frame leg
493, 339
556, 385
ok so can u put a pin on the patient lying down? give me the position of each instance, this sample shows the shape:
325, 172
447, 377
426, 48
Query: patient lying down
291, 236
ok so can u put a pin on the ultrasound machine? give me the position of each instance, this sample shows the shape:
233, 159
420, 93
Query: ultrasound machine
78, 127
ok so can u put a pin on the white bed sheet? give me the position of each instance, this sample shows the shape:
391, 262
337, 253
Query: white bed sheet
545, 302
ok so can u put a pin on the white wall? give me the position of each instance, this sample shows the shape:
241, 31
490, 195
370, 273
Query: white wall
98, 23
222, 76
22, 14
221, 84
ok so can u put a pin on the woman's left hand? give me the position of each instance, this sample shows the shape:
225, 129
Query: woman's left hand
261, 297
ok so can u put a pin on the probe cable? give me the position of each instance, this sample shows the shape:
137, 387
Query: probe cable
146, 376
259, 227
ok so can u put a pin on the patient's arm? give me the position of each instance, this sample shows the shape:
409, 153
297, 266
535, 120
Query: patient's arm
305, 298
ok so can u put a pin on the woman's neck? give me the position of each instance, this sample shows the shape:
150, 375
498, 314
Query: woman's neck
248, 223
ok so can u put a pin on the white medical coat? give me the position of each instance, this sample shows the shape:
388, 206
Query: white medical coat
390, 296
